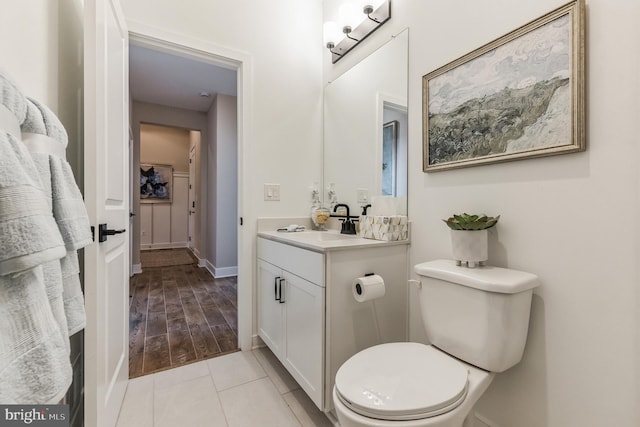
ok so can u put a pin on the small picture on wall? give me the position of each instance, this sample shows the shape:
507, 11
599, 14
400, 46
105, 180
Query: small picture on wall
155, 183
519, 96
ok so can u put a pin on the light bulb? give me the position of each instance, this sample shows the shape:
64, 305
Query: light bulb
369, 6
350, 16
332, 34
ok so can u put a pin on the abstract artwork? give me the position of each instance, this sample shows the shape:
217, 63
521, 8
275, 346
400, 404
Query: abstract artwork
155, 183
519, 96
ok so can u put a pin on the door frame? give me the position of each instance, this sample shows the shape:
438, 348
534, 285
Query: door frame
160, 39
192, 200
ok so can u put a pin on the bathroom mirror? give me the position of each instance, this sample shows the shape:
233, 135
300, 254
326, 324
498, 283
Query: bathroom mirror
365, 127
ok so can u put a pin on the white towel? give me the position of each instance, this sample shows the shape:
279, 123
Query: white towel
68, 205
52, 271
34, 363
29, 235
12, 97
46, 137
34, 359
73, 297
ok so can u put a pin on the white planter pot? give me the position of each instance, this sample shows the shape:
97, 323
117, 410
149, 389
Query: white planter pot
470, 246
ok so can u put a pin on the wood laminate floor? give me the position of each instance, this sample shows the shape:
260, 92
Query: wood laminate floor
179, 315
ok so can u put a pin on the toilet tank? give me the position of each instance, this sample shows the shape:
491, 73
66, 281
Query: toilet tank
479, 315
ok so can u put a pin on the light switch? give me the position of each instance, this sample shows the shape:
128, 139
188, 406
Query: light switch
272, 192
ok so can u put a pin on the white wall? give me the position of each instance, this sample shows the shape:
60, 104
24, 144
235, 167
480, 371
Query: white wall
280, 98
165, 225
165, 145
284, 41
41, 49
222, 235
581, 362
156, 114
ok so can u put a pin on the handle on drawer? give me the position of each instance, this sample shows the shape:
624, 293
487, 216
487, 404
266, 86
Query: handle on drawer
275, 288
281, 296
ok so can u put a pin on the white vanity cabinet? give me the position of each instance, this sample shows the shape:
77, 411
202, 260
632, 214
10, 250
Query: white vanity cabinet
306, 310
291, 307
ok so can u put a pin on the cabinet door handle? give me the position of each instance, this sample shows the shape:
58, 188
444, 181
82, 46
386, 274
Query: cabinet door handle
281, 296
275, 288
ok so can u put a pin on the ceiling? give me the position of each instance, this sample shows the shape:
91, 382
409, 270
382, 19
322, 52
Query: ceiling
175, 81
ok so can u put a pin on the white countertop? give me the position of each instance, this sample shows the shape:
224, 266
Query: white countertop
324, 241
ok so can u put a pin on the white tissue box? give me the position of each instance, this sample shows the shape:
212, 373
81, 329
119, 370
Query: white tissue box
395, 227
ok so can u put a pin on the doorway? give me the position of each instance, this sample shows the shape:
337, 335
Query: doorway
199, 315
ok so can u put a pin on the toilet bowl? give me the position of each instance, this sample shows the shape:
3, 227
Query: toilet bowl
406, 385
476, 321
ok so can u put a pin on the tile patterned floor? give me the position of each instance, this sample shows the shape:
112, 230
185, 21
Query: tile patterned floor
179, 315
242, 389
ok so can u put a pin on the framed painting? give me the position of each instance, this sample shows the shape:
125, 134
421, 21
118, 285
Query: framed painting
517, 97
156, 183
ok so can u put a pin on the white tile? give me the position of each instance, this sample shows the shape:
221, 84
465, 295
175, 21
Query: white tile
305, 410
137, 406
281, 378
257, 403
234, 369
191, 403
181, 374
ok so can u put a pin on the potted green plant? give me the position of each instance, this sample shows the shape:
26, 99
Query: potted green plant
470, 237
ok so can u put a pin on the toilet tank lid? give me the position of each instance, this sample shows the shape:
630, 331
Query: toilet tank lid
486, 278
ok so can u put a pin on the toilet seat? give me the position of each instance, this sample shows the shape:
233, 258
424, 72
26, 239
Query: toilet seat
401, 381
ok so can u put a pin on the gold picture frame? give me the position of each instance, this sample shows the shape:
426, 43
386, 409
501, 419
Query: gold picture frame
519, 96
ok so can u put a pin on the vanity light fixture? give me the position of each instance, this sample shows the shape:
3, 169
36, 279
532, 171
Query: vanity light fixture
357, 21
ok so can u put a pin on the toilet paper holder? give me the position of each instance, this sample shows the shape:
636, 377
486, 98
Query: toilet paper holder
358, 287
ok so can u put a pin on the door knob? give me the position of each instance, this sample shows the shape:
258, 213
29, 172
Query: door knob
103, 232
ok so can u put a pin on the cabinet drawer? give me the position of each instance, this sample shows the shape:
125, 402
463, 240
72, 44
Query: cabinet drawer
301, 262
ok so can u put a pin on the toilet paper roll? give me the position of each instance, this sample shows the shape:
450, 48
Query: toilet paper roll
368, 288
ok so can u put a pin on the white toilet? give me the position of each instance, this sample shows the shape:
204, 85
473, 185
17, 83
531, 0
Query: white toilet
476, 320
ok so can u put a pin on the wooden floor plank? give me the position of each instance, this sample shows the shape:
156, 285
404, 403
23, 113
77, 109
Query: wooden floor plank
180, 344
173, 305
156, 355
179, 315
156, 323
227, 340
213, 315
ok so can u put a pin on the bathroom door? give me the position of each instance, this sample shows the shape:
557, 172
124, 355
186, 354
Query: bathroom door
106, 191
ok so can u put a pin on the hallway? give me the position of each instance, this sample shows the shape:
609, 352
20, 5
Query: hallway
179, 314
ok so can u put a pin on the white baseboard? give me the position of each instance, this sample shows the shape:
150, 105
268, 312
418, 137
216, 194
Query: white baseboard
221, 272
202, 262
481, 421
256, 342
171, 245
136, 268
